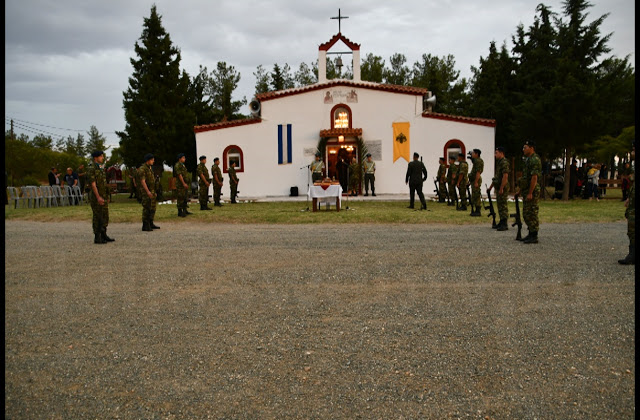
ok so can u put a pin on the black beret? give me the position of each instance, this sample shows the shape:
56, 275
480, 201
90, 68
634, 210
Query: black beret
97, 153
217, 158
460, 154
203, 157
441, 158
452, 157
317, 154
180, 155
148, 157
477, 151
530, 143
500, 149
368, 154
415, 154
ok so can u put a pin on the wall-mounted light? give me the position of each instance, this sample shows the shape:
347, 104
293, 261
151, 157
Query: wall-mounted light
340, 139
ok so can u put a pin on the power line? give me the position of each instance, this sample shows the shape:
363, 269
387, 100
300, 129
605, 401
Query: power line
49, 126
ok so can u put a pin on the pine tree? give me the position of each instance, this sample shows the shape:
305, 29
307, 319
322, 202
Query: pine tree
440, 77
372, 68
96, 140
156, 103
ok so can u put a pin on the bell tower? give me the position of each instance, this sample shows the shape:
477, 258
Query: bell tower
323, 50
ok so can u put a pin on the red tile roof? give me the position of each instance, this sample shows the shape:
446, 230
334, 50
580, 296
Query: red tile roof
408, 90
458, 118
225, 124
335, 132
336, 38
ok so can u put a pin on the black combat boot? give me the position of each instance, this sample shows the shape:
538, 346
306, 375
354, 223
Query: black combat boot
531, 239
366, 193
181, 213
631, 258
462, 208
153, 225
205, 207
145, 226
105, 237
373, 192
98, 239
502, 225
186, 211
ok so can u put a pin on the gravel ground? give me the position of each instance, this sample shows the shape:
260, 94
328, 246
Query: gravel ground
308, 321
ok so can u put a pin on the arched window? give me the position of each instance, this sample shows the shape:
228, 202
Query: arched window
232, 154
452, 148
340, 116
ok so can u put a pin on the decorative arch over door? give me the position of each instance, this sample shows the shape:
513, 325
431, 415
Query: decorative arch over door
230, 153
338, 119
453, 146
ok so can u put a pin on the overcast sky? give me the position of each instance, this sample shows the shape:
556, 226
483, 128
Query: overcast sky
67, 62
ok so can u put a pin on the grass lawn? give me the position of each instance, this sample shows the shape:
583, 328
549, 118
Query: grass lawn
124, 210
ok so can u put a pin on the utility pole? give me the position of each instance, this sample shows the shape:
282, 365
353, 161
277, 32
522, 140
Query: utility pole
12, 138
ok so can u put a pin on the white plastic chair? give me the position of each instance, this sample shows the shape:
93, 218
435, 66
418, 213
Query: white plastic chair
47, 194
57, 192
77, 192
29, 195
68, 196
39, 196
14, 196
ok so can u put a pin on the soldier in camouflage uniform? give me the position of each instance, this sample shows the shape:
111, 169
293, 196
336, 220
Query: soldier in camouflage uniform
97, 182
501, 184
354, 176
148, 188
316, 168
442, 179
369, 167
216, 173
182, 185
475, 179
630, 214
204, 180
233, 181
530, 191
452, 176
463, 180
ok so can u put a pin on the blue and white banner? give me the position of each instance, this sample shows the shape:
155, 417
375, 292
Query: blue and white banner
284, 144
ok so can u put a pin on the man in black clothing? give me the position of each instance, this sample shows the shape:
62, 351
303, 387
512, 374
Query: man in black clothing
573, 178
415, 179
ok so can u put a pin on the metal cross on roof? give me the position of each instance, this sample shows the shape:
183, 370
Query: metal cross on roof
339, 17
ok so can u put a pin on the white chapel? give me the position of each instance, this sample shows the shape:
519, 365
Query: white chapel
338, 118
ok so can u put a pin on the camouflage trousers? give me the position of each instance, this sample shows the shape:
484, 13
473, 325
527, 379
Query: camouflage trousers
217, 192
148, 207
476, 195
463, 195
452, 190
369, 178
443, 190
181, 198
203, 194
631, 225
503, 204
530, 210
100, 214
234, 191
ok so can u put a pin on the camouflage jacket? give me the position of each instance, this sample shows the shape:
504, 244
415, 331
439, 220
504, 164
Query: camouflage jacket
146, 173
532, 166
463, 169
441, 171
478, 166
501, 168
97, 174
452, 173
215, 170
180, 169
202, 170
233, 178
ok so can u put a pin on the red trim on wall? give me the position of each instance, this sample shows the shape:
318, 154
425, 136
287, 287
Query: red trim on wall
331, 119
446, 146
225, 166
225, 124
457, 118
337, 37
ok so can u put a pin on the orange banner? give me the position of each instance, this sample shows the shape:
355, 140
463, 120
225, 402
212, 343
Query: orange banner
401, 141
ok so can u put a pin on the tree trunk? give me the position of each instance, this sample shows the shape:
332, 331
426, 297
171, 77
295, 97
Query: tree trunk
567, 174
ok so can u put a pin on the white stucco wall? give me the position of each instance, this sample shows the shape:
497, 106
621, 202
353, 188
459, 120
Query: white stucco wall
375, 112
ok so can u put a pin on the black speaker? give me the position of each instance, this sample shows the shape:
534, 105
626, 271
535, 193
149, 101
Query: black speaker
294, 192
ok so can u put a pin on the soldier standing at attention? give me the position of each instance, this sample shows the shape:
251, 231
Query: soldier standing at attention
452, 176
415, 179
181, 185
317, 168
442, 179
630, 214
148, 188
530, 191
476, 181
501, 183
369, 176
203, 184
233, 181
217, 182
463, 180
97, 181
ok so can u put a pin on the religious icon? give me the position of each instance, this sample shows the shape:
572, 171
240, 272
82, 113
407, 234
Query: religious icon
352, 96
328, 99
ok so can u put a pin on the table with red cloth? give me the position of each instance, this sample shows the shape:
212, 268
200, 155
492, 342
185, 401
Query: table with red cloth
325, 193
